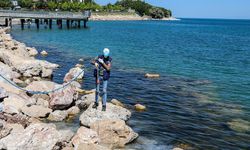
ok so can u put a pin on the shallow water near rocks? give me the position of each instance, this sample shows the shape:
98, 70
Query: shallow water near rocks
204, 85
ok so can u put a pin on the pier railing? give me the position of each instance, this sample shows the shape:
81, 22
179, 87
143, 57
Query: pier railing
45, 15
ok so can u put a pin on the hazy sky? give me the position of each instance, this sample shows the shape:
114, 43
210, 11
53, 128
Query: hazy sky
202, 8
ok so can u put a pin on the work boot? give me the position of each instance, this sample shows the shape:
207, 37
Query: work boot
103, 108
95, 105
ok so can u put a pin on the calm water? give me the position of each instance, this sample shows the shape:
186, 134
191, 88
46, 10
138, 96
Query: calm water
205, 76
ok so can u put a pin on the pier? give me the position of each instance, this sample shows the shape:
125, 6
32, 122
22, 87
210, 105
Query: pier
46, 18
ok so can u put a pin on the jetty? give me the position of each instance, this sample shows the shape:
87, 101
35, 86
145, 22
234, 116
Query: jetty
45, 17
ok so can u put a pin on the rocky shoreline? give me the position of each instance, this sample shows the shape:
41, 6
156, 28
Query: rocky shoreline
124, 17
26, 119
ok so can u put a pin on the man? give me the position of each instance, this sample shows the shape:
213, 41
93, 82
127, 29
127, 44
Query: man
102, 72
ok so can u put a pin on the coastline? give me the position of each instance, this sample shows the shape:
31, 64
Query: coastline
124, 17
25, 115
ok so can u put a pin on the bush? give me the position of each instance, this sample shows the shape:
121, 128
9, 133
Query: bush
26, 3
5, 3
143, 8
156, 13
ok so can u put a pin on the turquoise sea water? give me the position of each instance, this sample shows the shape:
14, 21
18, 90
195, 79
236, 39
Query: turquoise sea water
202, 99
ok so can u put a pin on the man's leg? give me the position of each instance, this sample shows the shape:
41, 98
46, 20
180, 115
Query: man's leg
97, 91
104, 98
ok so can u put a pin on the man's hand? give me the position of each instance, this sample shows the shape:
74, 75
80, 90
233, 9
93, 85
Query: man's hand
101, 61
96, 65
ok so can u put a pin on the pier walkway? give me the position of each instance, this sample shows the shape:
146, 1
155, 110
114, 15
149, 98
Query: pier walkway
45, 17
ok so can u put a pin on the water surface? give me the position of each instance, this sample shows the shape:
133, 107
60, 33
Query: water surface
202, 99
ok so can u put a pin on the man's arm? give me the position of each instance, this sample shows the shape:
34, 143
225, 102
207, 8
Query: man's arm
94, 62
107, 67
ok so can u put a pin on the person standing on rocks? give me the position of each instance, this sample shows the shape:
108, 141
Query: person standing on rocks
102, 73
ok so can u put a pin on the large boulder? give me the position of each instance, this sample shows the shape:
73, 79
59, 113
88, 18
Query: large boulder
7, 72
66, 135
32, 51
85, 135
114, 132
76, 72
86, 100
112, 112
16, 118
27, 66
41, 86
36, 111
117, 102
73, 110
63, 98
90, 146
57, 115
9, 88
14, 103
38, 136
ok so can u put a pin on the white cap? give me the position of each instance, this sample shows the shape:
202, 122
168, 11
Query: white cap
106, 52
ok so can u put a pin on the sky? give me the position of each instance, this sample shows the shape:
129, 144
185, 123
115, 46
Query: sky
226, 9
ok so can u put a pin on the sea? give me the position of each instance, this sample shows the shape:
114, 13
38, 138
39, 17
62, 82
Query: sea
202, 98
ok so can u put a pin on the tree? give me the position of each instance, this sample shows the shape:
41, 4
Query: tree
5, 3
26, 3
156, 13
52, 5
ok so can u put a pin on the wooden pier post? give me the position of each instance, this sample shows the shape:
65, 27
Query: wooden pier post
29, 22
37, 23
68, 23
59, 23
6, 22
85, 23
10, 24
46, 21
22, 23
79, 23
50, 23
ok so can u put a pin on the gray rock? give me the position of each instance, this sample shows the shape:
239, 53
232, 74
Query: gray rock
112, 112
114, 132
14, 103
85, 135
42, 102
47, 73
76, 72
44, 53
89, 146
36, 111
117, 102
73, 110
38, 136
7, 72
57, 115
86, 100
66, 135
41, 86
32, 51
63, 98
25, 65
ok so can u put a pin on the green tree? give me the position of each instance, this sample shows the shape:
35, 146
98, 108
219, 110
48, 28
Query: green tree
41, 4
26, 3
52, 5
156, 13
5, 3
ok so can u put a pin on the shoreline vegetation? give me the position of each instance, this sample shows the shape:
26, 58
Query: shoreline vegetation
120, 10
27, 120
